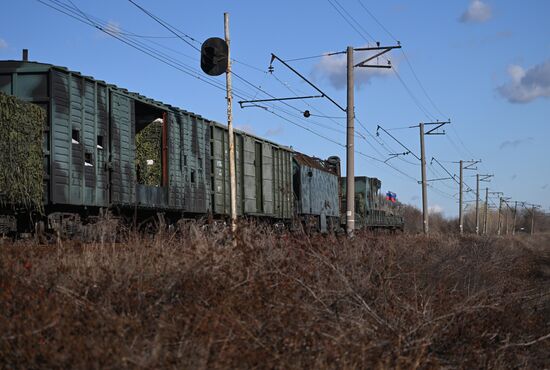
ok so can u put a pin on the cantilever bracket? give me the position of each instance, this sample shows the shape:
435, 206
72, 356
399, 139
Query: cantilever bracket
383, 50
276, 99
394, 155
439, 124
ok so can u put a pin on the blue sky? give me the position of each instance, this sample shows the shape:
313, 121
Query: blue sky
484, 64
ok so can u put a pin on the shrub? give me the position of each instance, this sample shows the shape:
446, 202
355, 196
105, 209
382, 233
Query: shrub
21, 157
192, 299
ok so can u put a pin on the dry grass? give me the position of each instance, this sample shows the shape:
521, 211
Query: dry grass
191, 300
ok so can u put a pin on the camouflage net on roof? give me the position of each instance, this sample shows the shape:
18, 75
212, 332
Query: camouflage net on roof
21, 156
148, 155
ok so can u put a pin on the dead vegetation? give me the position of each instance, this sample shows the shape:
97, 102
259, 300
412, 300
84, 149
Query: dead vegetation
189, 299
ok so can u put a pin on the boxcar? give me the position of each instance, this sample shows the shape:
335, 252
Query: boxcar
316, 191
263, 174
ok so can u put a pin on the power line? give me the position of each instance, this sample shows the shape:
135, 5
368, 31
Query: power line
350, 23
169, 27
322, 115
420, 84
140, 47
315, 56
413, 97
376, 20
150, 51
396, 140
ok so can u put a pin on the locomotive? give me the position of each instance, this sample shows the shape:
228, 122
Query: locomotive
106, 148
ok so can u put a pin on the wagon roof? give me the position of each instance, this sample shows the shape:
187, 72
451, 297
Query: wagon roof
313, 162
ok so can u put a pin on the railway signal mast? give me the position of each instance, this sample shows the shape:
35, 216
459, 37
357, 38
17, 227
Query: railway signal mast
232, 175
215, 61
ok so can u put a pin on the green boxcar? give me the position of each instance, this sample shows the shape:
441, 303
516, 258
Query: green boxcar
77, 108
263, 173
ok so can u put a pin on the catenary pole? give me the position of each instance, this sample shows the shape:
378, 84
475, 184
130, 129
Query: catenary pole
460, 199
506, 218
350, 115
477, 204
499, 216
424, 182
533, 220
232, 178
486, 214
514, 220
350, 170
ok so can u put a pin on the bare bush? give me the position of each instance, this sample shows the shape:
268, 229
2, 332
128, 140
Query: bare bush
190, 298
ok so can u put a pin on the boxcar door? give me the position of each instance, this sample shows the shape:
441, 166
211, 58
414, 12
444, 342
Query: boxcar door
122, 132
259, 177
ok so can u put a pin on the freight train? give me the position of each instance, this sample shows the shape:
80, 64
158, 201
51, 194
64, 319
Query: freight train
106, 148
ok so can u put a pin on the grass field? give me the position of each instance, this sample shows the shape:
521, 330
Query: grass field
275, 300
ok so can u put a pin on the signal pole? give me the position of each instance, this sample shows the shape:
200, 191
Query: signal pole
424, 182
350, 149
232, 178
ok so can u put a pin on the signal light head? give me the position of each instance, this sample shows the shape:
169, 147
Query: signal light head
214, 56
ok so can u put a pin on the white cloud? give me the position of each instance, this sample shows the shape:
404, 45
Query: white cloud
527, 85
477, 12
436, 208
3, 44
334, 69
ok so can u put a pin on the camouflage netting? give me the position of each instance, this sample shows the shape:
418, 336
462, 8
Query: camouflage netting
21, 156
148, 154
